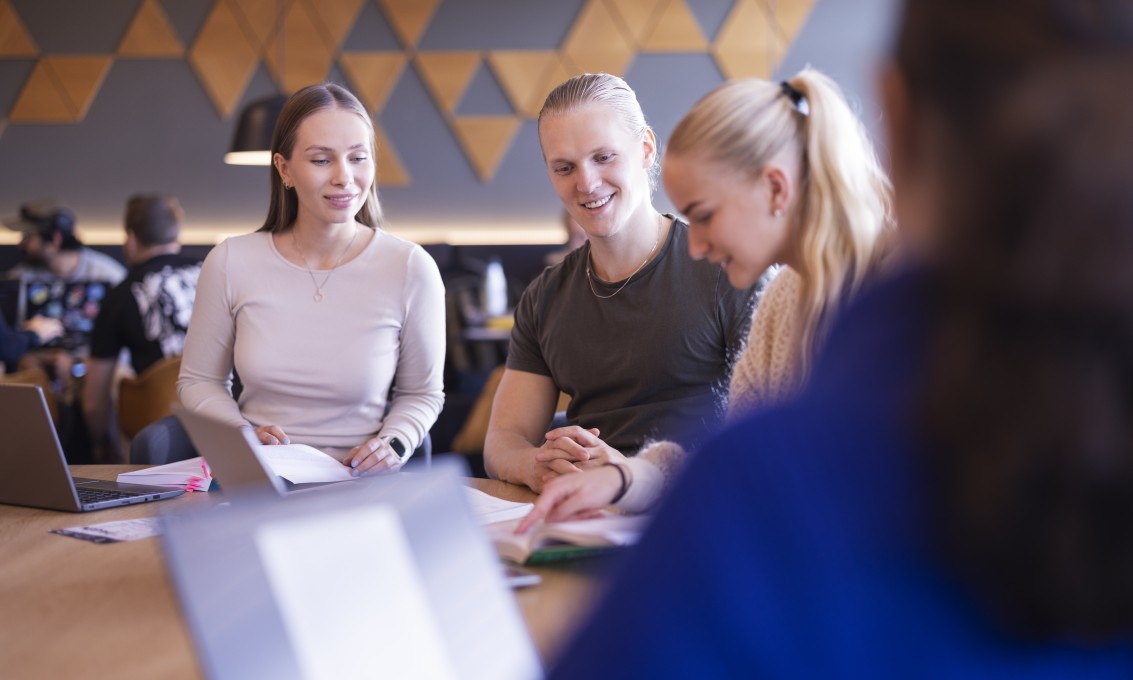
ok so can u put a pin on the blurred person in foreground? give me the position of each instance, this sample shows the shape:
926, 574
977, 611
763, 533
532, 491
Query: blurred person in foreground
147, 314
951, 495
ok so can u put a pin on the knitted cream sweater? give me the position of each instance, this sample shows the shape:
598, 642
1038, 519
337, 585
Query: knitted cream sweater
764, 374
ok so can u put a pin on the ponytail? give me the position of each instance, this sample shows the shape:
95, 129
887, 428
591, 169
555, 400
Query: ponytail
846, 204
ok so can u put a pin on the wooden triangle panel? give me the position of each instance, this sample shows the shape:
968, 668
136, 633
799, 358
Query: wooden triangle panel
747, 45
150, 34
79, 79
485, 140
335, 18
15, 41
637, 16
676, 30
447, 75
259, 19
409, 18
790, 15
596, 43
307, 57
224, 58
40, 101
372, 75
523, 73
391, 171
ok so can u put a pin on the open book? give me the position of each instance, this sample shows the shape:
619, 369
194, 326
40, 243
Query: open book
191, 475
565, 540
297, 463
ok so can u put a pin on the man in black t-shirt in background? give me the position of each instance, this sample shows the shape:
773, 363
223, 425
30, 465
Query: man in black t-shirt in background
148, 313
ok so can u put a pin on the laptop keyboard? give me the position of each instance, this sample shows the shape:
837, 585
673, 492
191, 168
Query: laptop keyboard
98, 495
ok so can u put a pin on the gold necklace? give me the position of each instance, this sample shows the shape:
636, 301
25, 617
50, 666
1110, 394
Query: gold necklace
319, 286
590, 276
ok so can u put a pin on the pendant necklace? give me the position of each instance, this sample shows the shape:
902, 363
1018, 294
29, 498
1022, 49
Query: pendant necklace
590, 275
318, 296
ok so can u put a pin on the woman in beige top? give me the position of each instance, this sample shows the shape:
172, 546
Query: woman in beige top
766, 173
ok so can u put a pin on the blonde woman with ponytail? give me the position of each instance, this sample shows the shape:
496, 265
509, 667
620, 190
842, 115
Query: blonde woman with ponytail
767, 174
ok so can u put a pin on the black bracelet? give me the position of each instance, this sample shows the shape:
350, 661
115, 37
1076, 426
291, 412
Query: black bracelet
625, 482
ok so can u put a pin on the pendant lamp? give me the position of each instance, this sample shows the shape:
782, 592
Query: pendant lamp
251, 145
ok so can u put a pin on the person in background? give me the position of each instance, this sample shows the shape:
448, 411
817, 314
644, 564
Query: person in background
15, 343
147, 314
321, 311
51, 250
766, 173
638, 335
950, 495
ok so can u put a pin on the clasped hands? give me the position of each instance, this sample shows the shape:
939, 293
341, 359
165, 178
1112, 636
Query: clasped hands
372, 457
564, 494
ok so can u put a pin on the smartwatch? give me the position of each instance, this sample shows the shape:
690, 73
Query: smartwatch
398, 447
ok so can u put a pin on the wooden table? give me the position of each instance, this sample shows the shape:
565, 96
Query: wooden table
62, 600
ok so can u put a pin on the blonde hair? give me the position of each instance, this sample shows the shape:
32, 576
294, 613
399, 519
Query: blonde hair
845, 203
608, 90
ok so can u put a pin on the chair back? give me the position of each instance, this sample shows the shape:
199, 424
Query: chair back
146, 398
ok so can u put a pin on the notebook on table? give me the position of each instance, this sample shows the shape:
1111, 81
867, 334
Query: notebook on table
389, 579
35, 469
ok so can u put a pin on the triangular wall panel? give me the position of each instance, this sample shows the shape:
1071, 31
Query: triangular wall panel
372, 75
676, 30
409, 18
447, 75
391, 171
79, 79
150, 35
15, 41
485, 140
637, 16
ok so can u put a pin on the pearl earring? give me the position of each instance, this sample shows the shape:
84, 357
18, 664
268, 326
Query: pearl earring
777, 213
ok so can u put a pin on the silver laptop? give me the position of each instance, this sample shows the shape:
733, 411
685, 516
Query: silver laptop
391, 579
35, 469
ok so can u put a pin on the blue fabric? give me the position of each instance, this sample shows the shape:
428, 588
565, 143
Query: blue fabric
797, 544
14, 344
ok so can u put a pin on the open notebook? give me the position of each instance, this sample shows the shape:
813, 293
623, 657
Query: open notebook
389, 579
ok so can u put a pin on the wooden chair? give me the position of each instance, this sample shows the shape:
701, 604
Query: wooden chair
35, 376
146, 398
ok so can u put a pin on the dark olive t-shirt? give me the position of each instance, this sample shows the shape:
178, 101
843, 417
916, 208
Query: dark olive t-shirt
651, 362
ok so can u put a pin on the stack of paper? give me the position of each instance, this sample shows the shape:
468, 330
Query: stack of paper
191, 475
489, 509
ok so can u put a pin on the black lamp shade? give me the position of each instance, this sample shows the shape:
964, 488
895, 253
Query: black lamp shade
251, 145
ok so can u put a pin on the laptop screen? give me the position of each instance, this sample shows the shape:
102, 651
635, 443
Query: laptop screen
75, 303
299, 587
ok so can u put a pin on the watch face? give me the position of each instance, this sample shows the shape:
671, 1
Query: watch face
397, 446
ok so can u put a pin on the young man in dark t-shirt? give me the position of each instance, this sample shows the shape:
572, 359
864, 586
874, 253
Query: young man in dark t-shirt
148, 313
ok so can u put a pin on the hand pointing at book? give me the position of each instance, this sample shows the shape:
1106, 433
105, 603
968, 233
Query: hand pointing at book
575, 496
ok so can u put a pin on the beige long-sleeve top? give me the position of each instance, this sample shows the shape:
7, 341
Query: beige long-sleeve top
321, 370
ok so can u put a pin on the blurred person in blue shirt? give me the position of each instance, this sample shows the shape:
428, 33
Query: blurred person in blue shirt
951, 495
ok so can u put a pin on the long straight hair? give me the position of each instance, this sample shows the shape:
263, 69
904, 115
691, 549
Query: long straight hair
284, 207
846, 198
